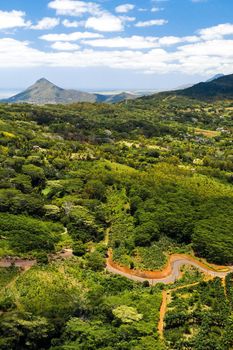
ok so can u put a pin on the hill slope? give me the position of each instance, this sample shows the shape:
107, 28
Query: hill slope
45, 92
216, 76
217, 88
220, 88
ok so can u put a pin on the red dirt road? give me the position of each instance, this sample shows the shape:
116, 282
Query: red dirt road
170, 273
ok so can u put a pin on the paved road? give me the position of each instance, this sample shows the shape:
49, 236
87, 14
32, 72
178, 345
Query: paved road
173, 271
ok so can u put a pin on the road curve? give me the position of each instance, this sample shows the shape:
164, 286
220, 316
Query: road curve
170, 273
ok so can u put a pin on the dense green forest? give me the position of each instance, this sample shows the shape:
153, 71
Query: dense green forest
200, 317
146, 178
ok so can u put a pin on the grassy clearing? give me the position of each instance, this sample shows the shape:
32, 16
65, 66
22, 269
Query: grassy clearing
207, 133
141, 258
149, 258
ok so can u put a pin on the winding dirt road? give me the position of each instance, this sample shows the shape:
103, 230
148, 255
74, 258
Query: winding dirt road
170, 273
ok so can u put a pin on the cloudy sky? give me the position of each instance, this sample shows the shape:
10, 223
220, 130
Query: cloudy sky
104, 44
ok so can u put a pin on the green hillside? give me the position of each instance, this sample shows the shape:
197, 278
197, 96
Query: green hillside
220, 88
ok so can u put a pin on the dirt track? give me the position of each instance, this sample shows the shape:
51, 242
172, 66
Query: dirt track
162, 312
23, 263
26, 263
163, 307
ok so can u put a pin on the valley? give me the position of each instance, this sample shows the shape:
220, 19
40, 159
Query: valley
116, 175
91, 193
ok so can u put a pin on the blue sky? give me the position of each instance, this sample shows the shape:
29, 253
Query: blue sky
98, 45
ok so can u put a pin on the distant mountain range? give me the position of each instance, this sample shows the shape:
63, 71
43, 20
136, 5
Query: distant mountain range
45, 92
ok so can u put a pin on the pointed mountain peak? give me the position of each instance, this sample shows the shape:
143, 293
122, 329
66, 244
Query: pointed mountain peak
44, 92
44, 81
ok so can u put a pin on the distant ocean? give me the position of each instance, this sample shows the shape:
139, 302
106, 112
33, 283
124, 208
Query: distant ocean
7, 93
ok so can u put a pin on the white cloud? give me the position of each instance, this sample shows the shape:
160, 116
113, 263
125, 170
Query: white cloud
72, 24
71, 36
124, 8
173, 40
152, 22
189, 55
15, 53
133, 42
13, 19
170, 40
99, 19
140, 42
46, 23
105, 23
127, 18
156, 9
217, 32
209, 48
64, 46
74, 7
18, 54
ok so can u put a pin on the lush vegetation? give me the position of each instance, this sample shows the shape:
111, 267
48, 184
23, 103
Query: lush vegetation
23, 234
145, 179
70, 305
7, 275
200, 317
